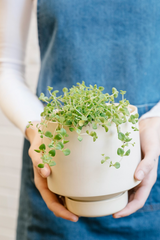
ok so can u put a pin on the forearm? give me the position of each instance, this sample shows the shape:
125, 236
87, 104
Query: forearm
16, 100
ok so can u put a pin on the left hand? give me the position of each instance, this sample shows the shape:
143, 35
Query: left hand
147, 169
40, 174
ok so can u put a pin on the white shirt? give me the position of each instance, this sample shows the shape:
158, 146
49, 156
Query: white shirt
17, 102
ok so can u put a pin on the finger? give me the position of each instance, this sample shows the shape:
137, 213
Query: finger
36, 159
137, 201
131, 194
139, 195
145, 166
54, 205
52, 201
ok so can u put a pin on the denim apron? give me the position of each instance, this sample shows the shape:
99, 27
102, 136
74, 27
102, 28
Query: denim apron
108, 43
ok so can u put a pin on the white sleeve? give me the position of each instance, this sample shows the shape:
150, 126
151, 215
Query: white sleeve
17, 102
154, 112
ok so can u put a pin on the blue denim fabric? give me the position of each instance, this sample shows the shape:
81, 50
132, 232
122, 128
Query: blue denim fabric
104, 42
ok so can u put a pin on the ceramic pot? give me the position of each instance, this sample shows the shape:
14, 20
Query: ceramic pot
92, 189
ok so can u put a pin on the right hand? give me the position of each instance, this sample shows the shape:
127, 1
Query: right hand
40, 175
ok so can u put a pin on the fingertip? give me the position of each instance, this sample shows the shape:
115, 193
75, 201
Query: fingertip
117, 216
72, 216
75, 219
139, 175
45, 172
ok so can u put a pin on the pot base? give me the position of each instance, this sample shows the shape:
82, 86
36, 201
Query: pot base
97, 208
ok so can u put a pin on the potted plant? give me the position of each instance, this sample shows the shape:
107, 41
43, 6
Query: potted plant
92, 145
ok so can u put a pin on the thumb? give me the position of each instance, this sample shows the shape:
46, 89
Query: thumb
145, 166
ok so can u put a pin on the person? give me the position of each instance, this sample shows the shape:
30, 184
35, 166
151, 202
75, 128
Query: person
110, 43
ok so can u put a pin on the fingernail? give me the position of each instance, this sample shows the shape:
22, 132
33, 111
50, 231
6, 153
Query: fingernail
74, 219
140, 175
44, 172
117, 216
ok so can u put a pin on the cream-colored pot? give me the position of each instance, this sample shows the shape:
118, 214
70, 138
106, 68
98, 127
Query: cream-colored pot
91, 188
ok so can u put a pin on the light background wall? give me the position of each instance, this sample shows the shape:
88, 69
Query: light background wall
11, 143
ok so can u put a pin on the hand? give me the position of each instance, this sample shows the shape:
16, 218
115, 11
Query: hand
40, 175
147, 169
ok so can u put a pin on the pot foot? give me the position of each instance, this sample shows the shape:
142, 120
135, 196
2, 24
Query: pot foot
97, 208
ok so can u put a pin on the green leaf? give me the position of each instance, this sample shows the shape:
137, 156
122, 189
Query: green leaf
52, 152
59, 145
71, 129
57, 137
103, 161
124, 110
105, 127
127, 139
41, 97
121, 136
101, 88
46, 158
133, 119
108, 114
136, 115
92, 134
102, 114
48, 134
115, 92
68, 122
42, 147
66, 152
135, 129
80, 138
65, 141
102, 119
38, 151
50, 88
30, 124
41, 165
94, 125
69, 114
61, 119
120, 152
122, 92
84, 118
78, 130
127, 134
52, 163
51, 145
65, 89
127, 153
63, 132
116, 165
81, 122
106, 158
